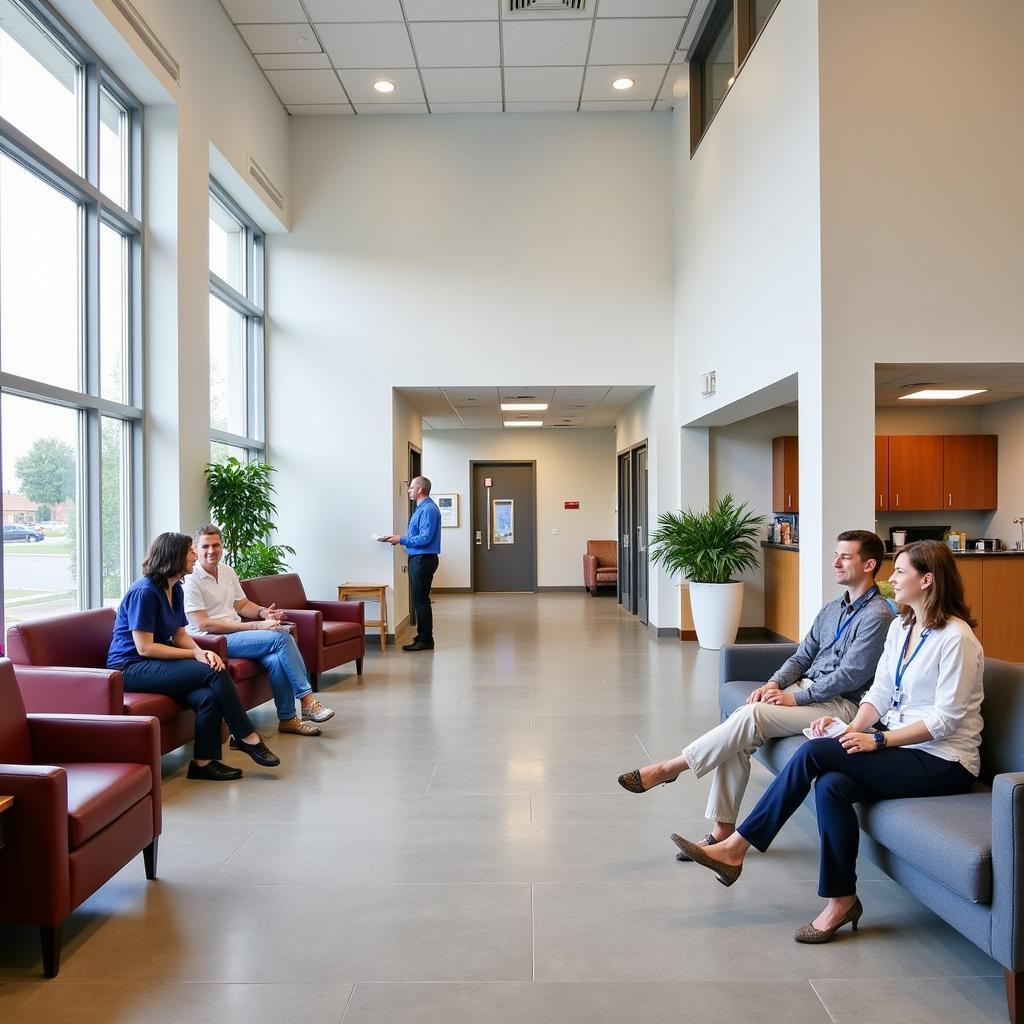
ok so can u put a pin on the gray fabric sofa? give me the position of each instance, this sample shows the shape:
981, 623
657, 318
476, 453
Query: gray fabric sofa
962, 856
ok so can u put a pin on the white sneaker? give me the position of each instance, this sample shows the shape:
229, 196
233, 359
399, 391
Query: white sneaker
316, 712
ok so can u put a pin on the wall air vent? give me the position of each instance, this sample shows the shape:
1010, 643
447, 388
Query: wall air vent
270, 189
563, 424
549, 6
149, 37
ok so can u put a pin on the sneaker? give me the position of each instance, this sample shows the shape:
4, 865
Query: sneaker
297, 725
314, 711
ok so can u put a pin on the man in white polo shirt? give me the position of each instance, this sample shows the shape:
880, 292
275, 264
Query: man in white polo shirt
216, 603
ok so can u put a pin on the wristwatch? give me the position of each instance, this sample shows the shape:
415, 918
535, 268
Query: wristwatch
879, 738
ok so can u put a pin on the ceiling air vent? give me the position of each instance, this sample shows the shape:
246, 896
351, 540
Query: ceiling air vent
551, 6
149, 37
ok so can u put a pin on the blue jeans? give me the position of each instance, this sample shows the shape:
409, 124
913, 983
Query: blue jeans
276, 651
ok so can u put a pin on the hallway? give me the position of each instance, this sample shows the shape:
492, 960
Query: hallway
455, 849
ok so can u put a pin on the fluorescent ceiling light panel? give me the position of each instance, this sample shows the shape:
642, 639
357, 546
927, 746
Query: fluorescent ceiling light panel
524, 406
524, 423
943, 394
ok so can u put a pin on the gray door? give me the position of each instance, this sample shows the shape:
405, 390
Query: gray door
640, 531
625, 533
504, 527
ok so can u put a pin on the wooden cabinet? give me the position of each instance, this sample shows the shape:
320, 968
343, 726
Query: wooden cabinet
972, 572
785, 474
1003, 606
782, 592
915, 473
969, 471
881, 473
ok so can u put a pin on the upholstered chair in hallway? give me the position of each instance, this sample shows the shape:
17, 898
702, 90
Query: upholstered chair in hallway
86, 792
328, 633
600, 565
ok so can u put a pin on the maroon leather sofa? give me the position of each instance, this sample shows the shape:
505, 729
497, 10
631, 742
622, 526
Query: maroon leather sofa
60, 668
86, 794
600, 565
328, 633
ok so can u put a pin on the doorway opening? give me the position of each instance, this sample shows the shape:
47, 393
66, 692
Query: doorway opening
632, 524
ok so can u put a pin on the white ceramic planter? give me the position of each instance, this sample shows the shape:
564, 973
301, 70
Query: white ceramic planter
716, 609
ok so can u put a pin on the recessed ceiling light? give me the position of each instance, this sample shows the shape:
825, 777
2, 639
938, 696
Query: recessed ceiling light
524, 423
732, 78
623, 83
524, 406
383, 85
944, 394
302, 39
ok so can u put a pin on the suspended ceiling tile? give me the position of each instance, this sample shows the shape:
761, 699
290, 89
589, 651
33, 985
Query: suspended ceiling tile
459, 396
391, 108
354, 10
620, 107
295, 37
358, 84
465, 108
452, 10
367, 46
559, 43
635, 40
676, 85
580, 394
646, 79
481, 421
523, 393
536, 107
293, 61
665, 105
462, 85
543, 84
264, 10
449, 44
307, 86
644, 8
308, 109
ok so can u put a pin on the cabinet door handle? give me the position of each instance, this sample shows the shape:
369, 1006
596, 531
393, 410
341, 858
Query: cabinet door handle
897, 499
789, 501
880, 501
951, 500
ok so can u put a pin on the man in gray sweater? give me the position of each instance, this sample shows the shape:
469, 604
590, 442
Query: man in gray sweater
831, 669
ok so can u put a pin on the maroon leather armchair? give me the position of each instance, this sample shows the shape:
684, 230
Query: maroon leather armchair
61, 669
328, 633
600, 565
86, 801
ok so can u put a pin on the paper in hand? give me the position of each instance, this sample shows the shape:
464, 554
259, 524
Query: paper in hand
833, 729
376, 536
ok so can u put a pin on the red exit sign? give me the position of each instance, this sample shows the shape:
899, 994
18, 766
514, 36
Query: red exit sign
572, 505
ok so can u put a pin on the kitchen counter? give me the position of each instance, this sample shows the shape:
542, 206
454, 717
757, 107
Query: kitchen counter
781, 547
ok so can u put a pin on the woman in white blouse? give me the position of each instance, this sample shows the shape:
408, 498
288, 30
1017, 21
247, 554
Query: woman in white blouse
927, 694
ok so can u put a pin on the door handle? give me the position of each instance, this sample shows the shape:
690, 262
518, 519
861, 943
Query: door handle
879, 501
488, 519
897, 499
951, 500
479, 536
789, 501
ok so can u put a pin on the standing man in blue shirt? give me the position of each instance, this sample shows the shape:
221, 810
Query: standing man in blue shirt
422, 543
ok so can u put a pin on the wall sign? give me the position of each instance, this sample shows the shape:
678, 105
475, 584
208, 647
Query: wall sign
448, 506
572, 505
504, 521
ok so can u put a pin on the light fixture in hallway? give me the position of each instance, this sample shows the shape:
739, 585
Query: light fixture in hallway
524, 406
939, 393
623, 83
524, 423
383, 85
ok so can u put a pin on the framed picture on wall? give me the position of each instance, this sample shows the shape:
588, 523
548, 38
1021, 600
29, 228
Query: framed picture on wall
503, 521
448, 506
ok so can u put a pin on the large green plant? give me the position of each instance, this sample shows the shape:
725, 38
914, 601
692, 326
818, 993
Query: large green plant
708, 547
241, 504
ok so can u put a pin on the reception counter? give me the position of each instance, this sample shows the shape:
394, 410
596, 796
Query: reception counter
782, 590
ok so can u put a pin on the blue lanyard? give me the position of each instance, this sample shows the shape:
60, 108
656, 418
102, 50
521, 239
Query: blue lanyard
902, 666
844, 624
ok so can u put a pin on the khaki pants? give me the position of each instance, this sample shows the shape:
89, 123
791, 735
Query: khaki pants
728, 747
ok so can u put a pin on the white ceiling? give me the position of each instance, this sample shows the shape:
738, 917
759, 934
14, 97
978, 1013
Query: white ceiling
480, 408
1002, 382
456, 56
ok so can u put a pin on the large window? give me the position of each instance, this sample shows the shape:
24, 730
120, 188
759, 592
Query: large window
721, 45
70, 374
237, 393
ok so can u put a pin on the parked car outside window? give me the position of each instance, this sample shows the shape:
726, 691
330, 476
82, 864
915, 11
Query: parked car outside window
16, 531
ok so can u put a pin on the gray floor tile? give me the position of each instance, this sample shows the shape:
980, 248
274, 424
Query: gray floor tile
910, 1000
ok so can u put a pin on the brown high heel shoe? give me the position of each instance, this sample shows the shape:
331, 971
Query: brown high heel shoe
633, 782
725, 873
813, 936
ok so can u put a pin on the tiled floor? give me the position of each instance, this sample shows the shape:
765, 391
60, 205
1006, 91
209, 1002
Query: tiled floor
455, 849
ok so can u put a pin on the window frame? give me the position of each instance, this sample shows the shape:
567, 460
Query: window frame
95, 208
251, 307
744, 15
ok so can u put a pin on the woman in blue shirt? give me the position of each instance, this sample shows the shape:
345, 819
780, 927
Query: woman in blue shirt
155, 655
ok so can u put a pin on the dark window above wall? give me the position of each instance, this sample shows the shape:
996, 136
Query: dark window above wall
726, 35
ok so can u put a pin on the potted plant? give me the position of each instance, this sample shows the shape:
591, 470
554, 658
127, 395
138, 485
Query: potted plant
709, 548
241, 505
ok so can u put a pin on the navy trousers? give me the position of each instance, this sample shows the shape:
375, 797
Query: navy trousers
842, 780
208, 692
421, 575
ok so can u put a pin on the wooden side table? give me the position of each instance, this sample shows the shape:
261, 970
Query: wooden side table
374, 592
6, 803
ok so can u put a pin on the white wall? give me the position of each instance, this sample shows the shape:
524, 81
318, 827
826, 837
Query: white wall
1007, 420
741, 465
474, 250
747, 271
572, 465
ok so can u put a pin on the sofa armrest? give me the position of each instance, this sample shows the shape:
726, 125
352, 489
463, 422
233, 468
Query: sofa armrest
752, 662
309, 636
590, 570
77, 691
216, 642
340, 611
1008, 870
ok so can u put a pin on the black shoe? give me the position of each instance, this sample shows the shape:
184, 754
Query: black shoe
259, 752
419, 645
215, 771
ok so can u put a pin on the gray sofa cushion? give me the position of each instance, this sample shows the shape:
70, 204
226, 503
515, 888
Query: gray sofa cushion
947, 837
